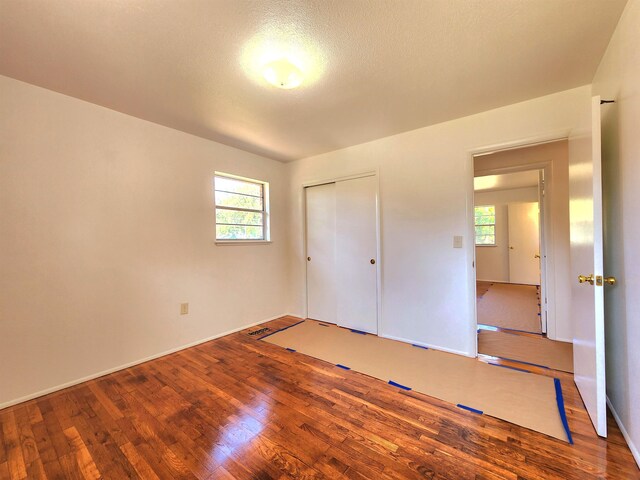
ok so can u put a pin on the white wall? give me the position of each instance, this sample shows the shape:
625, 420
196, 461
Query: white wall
618, 77
106, 226
492, 262
426, 186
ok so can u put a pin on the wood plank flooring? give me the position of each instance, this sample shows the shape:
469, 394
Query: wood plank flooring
238, 408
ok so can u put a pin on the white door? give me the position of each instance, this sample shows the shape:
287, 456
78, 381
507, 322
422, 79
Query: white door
356, 254
587, 302
524, 243
321, 252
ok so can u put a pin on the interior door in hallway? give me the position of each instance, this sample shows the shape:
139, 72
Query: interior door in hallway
356, 254
524, 243
586, 236
321, 252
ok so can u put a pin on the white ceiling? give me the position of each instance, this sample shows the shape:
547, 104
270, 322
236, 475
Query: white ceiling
506, 181
374, 68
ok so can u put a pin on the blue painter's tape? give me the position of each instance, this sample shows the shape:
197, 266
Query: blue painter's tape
360, 332
419, 346
290, 349
343, 366
479, 412
510, 368
563, 415
395, 384
281, 329
487, 327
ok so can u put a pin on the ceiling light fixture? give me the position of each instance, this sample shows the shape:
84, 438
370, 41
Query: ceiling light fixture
283, 55
283, 74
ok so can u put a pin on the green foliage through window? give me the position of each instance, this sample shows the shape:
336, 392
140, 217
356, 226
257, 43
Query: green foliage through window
485, 224
240, 209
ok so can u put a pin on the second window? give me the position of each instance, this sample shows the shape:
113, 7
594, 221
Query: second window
241, 208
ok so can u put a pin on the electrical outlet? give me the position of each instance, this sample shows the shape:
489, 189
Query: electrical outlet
184, 308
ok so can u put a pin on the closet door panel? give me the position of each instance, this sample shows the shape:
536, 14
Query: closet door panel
321, 252
356, 254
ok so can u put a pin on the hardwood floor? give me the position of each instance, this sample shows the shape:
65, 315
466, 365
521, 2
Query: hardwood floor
240, 408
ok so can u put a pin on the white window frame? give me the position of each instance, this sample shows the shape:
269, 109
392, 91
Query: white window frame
265, 212
475, 237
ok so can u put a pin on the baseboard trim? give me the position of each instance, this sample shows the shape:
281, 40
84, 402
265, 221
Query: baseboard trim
625, 434
78, 381
428, 345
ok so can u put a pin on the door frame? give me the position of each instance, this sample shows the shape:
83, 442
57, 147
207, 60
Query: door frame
369, 173
470, 193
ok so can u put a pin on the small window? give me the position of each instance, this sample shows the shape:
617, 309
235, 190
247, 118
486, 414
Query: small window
242, 208
485, 225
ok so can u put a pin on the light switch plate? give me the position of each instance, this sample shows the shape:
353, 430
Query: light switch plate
184, 308
457, 241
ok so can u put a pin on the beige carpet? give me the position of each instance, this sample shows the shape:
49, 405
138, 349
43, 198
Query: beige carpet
511, 306
525, 348
482, 288
522, 398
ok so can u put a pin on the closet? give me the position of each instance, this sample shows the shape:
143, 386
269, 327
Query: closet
342, 247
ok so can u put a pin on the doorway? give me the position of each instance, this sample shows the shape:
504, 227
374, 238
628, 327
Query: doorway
342, 252
514, 249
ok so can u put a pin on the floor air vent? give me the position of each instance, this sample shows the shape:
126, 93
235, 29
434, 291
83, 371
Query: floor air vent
260, 331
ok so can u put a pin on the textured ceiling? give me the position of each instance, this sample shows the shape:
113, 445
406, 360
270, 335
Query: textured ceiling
374, 68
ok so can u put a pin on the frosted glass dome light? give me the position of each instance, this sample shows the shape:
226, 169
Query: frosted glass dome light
283, 74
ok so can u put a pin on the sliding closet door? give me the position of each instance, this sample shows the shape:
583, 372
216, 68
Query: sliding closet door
356, 254
321, 252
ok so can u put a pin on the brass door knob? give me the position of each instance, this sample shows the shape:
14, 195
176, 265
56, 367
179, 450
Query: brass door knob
308, 259
585, 279
610, 280
373, 262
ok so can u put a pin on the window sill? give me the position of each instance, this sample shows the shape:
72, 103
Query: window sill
494, 246
242, 242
